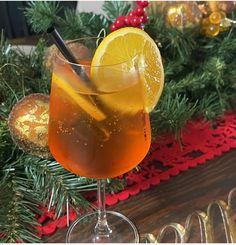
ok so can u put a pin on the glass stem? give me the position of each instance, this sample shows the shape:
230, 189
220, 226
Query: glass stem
102, 229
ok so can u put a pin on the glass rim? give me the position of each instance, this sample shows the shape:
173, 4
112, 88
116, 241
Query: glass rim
59, 55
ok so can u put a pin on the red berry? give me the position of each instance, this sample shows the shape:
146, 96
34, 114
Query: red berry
122, 18
144, 18
119, 23
132, 13
142, 3
135, 21
127, 20
139, 11
113, 27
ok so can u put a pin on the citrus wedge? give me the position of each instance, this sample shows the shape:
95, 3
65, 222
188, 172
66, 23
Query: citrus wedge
124, 45
83, 102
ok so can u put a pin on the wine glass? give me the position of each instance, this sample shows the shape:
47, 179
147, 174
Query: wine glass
99, 129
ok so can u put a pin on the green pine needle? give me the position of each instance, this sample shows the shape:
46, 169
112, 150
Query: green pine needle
113, 9
210, 107
172, 113
42, 14
18, 209
78, 25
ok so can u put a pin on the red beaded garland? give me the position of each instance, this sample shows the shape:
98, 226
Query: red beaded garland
135, 18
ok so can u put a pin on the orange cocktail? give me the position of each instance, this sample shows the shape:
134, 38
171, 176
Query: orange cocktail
95, 133
99, 124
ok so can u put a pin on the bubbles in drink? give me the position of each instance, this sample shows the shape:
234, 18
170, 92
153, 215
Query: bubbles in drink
102, 145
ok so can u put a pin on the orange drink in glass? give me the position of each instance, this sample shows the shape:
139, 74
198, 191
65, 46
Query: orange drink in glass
87, 135
100, 128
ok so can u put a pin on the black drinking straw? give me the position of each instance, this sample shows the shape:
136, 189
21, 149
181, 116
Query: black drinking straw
58, 41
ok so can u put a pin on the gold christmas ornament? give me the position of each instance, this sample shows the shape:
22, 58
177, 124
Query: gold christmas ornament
215, 23
215, 17
212, 30
183, 15
28, 124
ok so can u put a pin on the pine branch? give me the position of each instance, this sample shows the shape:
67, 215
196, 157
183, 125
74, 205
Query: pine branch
42, 14
73, 25
113, 9
172, 114
6, 150
115, 185
57, 186
78, 25
9, 70
227, 47
209, 106
174, 44
21, 74
18, 208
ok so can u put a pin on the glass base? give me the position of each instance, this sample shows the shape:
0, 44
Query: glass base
122, 229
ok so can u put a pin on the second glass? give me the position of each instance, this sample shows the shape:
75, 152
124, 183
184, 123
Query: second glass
98, 129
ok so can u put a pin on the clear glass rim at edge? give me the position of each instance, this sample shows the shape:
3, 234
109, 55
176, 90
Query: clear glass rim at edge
62, 58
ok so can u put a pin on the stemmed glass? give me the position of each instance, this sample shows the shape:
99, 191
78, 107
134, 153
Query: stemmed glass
98, 129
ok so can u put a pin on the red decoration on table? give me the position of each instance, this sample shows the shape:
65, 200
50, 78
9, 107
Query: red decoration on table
135, 18
200, 142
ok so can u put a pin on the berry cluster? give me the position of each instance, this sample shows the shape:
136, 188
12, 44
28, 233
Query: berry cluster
215, 23
135, 18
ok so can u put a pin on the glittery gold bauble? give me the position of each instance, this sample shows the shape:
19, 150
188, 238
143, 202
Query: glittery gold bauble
28, 123
78, 49
183, 15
